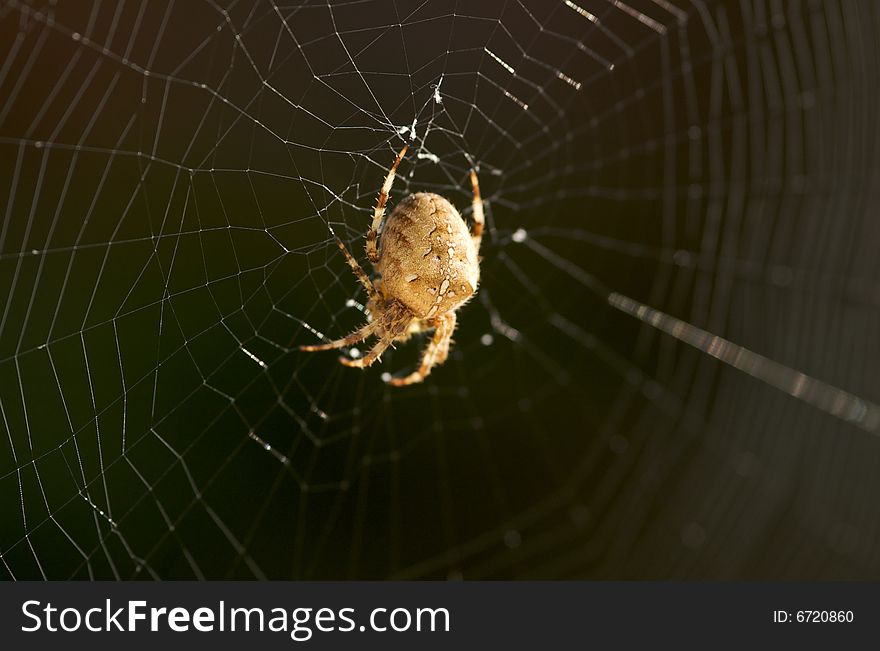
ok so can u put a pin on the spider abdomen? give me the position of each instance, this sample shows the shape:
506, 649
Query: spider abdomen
427, 257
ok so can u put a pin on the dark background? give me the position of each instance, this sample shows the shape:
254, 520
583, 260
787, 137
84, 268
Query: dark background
170, 177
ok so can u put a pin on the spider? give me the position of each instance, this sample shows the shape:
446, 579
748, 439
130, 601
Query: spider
428, 267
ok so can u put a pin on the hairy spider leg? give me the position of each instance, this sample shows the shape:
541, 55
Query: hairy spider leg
479, 219
374, 354
443, 349
437, 348
358, 335
379, 212
358, 271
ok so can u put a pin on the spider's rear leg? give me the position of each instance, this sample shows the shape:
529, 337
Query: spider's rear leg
379, 211
358, 270
479, 218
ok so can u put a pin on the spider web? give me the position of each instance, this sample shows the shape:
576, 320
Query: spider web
669, 369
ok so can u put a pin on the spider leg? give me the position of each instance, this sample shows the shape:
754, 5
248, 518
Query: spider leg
358, 335
374, 354
358, 270
435, 353
379, 212
479, 218
443, 348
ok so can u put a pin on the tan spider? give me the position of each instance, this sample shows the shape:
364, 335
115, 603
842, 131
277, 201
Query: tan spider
428, 267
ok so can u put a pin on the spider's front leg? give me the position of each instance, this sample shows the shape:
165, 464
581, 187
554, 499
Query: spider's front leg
435, 353
389, 325
358, 335
374, 354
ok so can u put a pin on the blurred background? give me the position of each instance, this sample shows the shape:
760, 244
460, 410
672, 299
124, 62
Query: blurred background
669, 372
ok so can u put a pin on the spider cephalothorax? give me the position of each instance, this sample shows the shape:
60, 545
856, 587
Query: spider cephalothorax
428, 267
